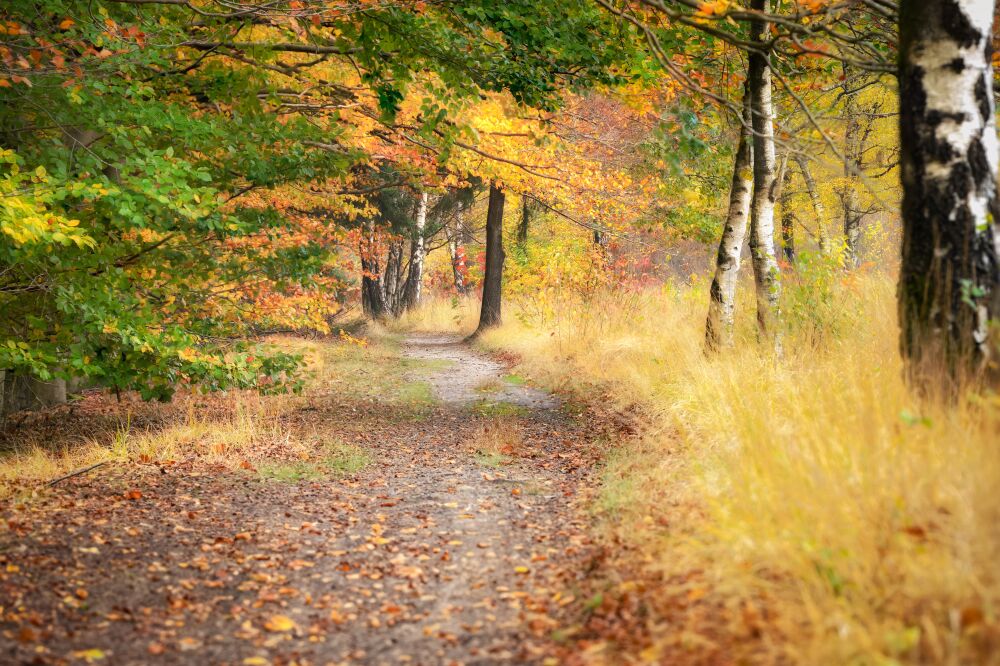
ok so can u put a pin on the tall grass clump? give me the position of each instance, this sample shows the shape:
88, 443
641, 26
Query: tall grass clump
861, 522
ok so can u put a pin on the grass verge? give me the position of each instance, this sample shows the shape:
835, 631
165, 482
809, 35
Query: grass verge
280, 436
806, 509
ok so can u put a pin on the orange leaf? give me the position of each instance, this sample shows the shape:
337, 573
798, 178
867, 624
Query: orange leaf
279, 623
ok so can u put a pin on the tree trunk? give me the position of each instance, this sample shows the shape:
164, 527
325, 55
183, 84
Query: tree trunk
490, 312
788, 218
372, 302
457, 254
522, 228
949, 278
415, 278
23, 392
852, 167
817, 203
719, 327
767, 277
392, 290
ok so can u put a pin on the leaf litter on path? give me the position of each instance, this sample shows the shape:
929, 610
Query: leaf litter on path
421, 557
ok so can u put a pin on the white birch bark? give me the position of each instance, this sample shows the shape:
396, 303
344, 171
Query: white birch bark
457, 266
949, 289
418, 252
853, 153
719, 325
767, 278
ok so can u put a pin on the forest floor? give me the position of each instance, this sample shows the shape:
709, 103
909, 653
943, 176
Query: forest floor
462, 538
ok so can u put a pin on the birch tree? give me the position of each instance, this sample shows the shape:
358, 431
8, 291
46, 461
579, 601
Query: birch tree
788, 217
852, 166
949, 278
822, 238
719, 327
765, 187
415, 278
456, 254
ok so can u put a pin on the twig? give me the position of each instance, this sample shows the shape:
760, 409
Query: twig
76, 472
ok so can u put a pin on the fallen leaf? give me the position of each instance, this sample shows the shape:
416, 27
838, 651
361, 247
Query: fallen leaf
278, 623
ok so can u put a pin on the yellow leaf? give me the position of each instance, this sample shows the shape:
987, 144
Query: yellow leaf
89, 656
279, 623
255, 661
522, 570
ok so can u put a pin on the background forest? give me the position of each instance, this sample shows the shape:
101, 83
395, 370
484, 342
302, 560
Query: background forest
682, 217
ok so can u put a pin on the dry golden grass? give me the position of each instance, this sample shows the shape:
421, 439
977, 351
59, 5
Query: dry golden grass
234, 430
496, 440
865, 521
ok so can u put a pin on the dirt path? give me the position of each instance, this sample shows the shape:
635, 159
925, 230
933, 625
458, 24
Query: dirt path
458, 544
478, 378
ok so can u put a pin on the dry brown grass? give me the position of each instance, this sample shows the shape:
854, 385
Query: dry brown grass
816, 487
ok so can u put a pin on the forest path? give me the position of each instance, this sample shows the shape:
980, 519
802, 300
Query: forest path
459, 543
475, 378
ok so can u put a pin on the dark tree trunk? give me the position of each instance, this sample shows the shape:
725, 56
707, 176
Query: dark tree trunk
490, 312
719, 325
392, 286
949, 279
522, 228
372, 303
23, 392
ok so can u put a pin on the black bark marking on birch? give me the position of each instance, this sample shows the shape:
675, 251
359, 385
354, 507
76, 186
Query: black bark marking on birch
956, 24
983, 96
949, 274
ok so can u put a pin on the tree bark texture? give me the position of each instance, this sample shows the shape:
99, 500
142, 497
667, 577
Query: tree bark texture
22, 392
767, 278
719, 326
853, 151
490, 312
415, 278
457, 255
788, 218
949, 278
392, 286
372, 302
523, 226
